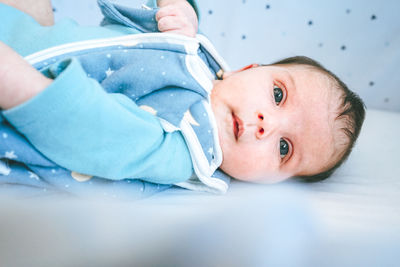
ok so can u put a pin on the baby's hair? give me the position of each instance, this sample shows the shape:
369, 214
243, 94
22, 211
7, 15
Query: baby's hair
352, 112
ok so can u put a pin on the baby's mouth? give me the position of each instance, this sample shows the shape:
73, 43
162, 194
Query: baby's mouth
237, 126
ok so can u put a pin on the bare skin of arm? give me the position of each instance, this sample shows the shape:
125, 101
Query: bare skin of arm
40, 10
19, 81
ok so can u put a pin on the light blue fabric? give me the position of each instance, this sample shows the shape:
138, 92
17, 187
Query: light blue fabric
26, 36
144, 150
79, 126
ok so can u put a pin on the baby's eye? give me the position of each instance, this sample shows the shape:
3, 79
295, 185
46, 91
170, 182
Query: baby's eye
283, 148
278, 94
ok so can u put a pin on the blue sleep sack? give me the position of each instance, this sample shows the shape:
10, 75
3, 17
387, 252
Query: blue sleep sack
169, 77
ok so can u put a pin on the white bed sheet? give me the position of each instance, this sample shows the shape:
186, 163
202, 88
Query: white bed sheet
366, 187
351, 219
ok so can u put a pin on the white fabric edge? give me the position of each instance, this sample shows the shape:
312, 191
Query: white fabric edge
167, 126
217, 147
200, 162
198, 185
191, 44
213, 52
199, 72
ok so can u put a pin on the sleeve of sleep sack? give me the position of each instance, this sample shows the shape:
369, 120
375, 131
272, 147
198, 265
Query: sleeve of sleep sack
76, 124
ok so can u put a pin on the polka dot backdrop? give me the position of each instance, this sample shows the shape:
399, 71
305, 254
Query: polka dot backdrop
357, 40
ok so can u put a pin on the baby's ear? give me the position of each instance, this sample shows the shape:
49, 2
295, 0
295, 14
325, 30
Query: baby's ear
248, 67
229, 73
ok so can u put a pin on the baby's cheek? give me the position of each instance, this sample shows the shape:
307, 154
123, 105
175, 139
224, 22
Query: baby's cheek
241, 166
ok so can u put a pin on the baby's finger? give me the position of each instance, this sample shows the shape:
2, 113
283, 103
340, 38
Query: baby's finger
166, 11
169, 23
180, 32
175, 25
179, 17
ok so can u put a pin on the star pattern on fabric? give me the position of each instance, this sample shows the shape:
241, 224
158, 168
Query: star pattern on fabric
4, 169
149, 109
109, 71
10, 154
80, 177
192, 117
33, 176
188, 116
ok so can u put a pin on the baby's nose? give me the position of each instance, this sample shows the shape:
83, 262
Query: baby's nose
264, 126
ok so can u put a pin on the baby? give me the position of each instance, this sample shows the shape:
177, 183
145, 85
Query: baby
292, 118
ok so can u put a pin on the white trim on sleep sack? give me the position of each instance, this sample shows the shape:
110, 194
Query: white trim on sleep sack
217, 147
191, 45
204, 171
201, 167
213, 52
199, 71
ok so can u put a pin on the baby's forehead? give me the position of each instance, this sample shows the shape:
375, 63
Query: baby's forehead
326, 83
319, 106
319, 147
301, 74
309, 71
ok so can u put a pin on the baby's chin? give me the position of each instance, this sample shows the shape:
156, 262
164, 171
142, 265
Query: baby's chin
264, 180
249, 176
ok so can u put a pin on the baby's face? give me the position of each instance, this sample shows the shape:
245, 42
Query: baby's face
274, 122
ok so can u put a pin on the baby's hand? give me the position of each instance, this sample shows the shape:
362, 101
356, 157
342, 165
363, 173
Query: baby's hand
177, 16
19, 81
